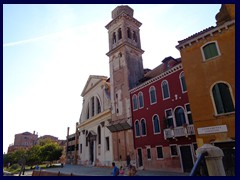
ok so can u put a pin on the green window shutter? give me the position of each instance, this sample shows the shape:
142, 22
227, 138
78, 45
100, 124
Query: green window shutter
210, 51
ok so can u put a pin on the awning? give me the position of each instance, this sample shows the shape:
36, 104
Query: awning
119, 125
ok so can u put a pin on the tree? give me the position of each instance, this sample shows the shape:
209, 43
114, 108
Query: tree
50, 152
33, 156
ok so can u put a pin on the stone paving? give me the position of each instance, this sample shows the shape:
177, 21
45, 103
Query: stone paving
102, 171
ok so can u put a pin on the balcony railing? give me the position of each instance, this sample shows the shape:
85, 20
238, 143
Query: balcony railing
179, 131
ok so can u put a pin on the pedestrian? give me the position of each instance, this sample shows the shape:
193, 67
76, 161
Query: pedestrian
115, 171
8, 165
23, 170
121, 171
128, 160
37, 167
132, 171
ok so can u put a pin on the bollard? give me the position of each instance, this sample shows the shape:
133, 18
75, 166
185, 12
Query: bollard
213, 160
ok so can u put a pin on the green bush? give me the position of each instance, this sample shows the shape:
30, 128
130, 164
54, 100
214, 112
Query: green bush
14, 167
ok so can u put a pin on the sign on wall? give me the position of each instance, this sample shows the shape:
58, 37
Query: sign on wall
212, 129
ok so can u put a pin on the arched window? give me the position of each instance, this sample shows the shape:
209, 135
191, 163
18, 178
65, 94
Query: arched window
222, 98
99, 134
156, 124
165, 89
210, 50
180, 116
114, 38
119, 33
92, 104
88, 116
140, 100
137, 128
134, 36
98, 106
129, 33
134, 101
152, 93
182, 82
143, 127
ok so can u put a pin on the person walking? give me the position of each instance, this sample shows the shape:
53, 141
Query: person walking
121, 171
115, 171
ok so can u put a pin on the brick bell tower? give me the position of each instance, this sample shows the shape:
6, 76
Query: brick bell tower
126, 69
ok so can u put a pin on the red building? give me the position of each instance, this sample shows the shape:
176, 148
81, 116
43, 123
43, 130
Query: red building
23, 140
164, 137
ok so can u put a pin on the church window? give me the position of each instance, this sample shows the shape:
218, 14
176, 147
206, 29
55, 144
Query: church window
99, 134
114, 38
129, 33
134, 36
119, 34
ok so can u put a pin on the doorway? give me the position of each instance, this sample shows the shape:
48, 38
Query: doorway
187, 159
139, 158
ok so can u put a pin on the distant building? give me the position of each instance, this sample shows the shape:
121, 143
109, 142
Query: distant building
71, 148
52, 138
164, 136
23, 140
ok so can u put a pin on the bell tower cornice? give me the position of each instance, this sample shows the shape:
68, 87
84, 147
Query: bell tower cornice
126, 17
116, 49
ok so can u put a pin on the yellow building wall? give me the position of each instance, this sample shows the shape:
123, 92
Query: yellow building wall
201, 75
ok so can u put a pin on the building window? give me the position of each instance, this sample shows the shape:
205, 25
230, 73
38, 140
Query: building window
129, 33
134, 36
165, 90
92, 103
137, 128
98, 106
99, 134
88, 112
81, 148
134, 100
107, 144
143, 127
152, 93
156, 125
189, 114
210, 50
169, 118
86, 141
173, 149
149, 156
159, 152
182, 82
140, 100
114, 38
222, 98
180, 116
119, 33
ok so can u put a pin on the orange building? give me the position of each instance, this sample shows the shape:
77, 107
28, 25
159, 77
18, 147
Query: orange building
208, 59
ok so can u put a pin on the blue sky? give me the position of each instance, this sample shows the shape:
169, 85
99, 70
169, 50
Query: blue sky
49, 51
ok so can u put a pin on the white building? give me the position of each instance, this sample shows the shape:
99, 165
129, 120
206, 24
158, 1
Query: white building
95, 140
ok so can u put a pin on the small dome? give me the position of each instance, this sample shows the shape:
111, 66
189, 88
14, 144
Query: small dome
122, 9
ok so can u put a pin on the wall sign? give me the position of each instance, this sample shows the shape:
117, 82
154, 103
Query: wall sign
212, 129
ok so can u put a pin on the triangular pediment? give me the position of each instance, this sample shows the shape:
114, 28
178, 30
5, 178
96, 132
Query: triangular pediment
92, 81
